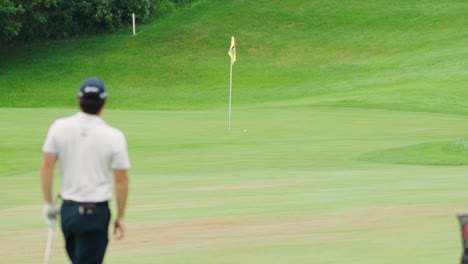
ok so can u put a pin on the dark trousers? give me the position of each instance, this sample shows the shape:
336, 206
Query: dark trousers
85, 229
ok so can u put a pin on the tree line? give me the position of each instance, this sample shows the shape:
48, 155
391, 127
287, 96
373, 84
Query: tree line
25, 21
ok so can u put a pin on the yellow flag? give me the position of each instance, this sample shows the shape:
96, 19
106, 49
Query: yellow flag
232, 50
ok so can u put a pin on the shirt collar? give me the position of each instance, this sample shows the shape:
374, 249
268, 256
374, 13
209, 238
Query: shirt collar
89, 117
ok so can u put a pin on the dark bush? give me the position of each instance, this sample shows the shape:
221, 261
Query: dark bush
24, 21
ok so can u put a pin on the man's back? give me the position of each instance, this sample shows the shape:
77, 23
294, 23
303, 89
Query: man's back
87, 149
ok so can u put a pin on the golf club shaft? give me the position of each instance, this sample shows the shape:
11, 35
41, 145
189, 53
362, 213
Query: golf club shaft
48, 248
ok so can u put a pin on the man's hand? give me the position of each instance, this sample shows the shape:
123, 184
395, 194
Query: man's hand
119, 228
50, 213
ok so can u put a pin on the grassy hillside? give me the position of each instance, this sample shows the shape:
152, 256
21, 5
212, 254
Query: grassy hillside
379, 54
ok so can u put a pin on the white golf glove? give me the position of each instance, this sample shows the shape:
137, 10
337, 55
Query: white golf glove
50, 213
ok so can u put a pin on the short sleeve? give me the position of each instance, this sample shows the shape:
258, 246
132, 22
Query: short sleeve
120, 159
50, 145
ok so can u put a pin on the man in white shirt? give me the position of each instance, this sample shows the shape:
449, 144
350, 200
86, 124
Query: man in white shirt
88, 151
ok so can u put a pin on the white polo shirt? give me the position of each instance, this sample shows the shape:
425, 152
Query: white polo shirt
87, 149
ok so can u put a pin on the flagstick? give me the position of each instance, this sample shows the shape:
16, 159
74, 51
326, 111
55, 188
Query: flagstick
232, 54
230, 95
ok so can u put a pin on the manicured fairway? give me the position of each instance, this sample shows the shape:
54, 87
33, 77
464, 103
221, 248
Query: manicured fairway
292, 188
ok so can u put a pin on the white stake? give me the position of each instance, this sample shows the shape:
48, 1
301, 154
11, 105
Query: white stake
133, 22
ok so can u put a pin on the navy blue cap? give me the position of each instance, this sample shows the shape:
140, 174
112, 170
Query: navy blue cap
92, 88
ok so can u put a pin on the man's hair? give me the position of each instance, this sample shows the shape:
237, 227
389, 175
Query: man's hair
91, 106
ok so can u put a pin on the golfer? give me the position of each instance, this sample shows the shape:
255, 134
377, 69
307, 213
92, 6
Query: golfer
88, 152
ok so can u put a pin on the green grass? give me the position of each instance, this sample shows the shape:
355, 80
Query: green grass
452, 152
291, 187
367, 53
355, 115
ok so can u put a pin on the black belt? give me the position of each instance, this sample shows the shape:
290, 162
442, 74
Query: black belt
75, 202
